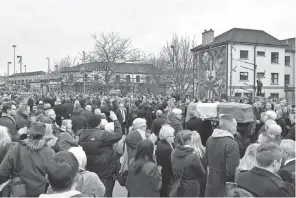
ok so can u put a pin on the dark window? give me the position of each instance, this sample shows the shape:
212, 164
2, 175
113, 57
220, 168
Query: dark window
287, 79
117, 78
137, 78
274, 57
244, 54
249, 95
238, 94
96, 77
147, 79
274, 78
274, 95
260, 74
128, 78
243, 76
85, 77
287, 61
260, 53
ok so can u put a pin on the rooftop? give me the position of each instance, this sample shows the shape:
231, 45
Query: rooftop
290, 42
247, 36
137, 68
28, 74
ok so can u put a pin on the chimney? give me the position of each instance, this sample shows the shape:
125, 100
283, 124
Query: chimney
207, 37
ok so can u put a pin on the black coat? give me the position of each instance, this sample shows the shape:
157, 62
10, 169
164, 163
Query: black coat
163, 158
203, 127
78, 122
60, 110
156, 125
98, 147
262, 183
291, 134
282, 123
222, 155
69, 109
286, 173
185, 158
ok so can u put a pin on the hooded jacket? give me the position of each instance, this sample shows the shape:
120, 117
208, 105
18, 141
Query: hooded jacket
222, 155
185, 158
78, 121
35, 159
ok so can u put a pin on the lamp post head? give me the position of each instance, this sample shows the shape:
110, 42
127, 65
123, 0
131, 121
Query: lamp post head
172, 46
19, 56
9, 62
13, 45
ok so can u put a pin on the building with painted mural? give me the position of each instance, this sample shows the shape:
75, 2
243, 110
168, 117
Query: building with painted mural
232, 62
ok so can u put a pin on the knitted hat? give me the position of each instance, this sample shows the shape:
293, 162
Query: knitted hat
93, 121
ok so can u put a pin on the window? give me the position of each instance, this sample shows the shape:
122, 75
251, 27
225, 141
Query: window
260, 74
274, 57
137, 78
243, 76
238, 95
117, 78
260, 53
287, 60
147, 79
249, 95
287, 79
244, 54
128, 78
274, 78
274, 95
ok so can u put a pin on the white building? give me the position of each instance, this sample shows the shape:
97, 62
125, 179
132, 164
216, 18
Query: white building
225, 64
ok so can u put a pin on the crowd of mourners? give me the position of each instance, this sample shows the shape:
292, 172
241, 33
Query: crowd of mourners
61, 145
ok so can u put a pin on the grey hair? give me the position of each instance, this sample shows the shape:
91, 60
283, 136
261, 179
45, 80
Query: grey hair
165, 131
289, 147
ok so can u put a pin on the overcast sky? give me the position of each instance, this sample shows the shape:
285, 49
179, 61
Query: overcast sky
58, 28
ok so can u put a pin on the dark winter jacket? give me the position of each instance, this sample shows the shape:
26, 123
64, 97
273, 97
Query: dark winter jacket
156, 125
4, 150
35, 158
60, 111
21, 121
163, 158
282, 123
222, 155
98, 147
9, 122
184, 158
78, 122
147, 183
69, 109
287, 173
86, 113
203, 127
291, 134
262, 183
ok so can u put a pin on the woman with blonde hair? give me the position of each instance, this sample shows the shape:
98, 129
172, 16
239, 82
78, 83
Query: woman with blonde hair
248, 161
5, 142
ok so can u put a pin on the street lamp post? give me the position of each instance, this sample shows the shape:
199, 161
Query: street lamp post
25, 66
14, 46
8, 63
83, 71
48, 68
20, 62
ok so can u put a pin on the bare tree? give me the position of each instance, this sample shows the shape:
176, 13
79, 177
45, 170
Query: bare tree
175, 62
113, 51
67, 61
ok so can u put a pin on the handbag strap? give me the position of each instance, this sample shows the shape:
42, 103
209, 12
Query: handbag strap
182, 172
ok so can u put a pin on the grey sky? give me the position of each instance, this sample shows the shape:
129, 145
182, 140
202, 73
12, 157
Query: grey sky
57, 28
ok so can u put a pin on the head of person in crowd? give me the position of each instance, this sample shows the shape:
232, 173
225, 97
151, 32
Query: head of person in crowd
269, 117
283, 103
279, 113
196, 144
167, 133
159, 114
278, 107
292, 118
275, 131
63, 174
258, 104
50, 113
103, 116
191, 111
47, 106
77, 111
80, 155
285, 110
143, 155
109, 127
38, 112
228, 123
265, 137
268, 106
269, 157
121, 106
249, 159
77, 104
88, 108
140, 124
36, 131
93, 121
97, 111
4, 137
40, 102
184, 138
66, 125
24, 111
9, 108
237, 192
178, 113
58, 101
288, 147
35, 108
